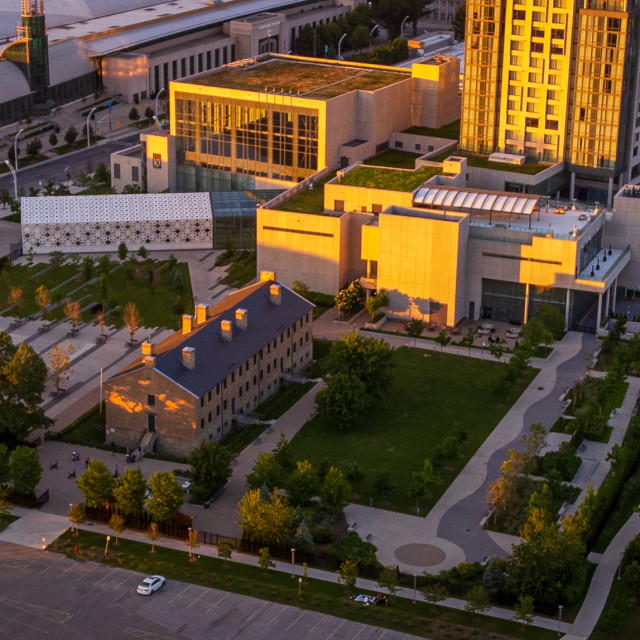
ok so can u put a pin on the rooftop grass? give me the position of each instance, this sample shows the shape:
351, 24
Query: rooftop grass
308, 200
319, 80
482, 162
375, 178
437, 623
431, 396
449, 131
394, 158
241, 270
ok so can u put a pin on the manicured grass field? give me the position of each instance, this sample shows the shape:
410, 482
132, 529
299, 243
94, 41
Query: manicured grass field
432, 395
66, 281
437, 623
308, 200
282, 401
450, 131
242, 270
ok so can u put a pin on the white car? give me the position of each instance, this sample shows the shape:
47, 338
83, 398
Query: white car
150, 584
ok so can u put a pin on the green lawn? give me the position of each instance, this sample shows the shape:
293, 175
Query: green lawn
7, 520
374, 178
308, 200
437, 623
282, 401
242, 270
23, 162
620, 619
67, 282
395, 159
88, 430
450, 131
240, 438
432, 395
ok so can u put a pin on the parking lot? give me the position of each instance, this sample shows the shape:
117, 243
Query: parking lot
47, 594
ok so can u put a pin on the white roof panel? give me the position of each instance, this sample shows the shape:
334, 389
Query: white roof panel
126, 207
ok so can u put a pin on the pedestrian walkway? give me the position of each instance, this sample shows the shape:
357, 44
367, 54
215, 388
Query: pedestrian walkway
32, 528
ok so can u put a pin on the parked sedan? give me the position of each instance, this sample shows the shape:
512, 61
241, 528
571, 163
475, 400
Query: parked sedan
150, 584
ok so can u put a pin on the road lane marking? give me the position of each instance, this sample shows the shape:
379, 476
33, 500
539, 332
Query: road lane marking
255, 613
336, 630
296, 620
215, 604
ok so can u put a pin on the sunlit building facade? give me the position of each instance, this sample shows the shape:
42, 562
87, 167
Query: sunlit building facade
555, 81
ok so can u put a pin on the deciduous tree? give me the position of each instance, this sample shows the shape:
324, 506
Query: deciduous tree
59, 359
72, 311
122, 251
132, 319
443, 339
71, 135
303, 484
129, 491
434, 592
379, 300
116, 524
348, 575
267, 472
22, 383
388, 579
369, 359
225, 547
269, 521
414, 329
458, 21
96, 484
210, 467
477, 600
76, 516
350, 299
166, 496
15, 300
524, 610
192, 543
153, 533
43, 300
335, 490
25, 469
343, 401
264, 560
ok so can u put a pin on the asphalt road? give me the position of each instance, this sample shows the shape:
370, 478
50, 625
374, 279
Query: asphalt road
46, 595
55, 169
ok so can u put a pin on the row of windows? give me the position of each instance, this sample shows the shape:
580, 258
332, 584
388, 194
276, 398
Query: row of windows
197, 63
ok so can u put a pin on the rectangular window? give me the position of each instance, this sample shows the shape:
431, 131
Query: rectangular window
208, 60
183, 67
217, 410
209, 417
174, 69
200, 63
135, 174
552, 125
151, 400
225, 54
202, 423
116, 170
531, 122
217, 58
192, 65
202, 401
209, 396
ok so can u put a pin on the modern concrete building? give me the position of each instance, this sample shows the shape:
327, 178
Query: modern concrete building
271, 121
444, 252
197, 384
135, 53
556, 81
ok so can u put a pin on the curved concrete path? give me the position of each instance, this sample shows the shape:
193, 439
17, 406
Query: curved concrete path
453, 523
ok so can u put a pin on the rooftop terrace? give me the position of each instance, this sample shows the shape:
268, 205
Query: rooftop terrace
288, 75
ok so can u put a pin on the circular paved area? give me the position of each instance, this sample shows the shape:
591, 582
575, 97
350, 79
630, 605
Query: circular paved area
420, 555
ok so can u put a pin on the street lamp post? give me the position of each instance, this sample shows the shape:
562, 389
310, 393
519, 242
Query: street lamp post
106, 546
293, 567
344, 35
15, 179
482, 353
402, 27
620, 565
88, 130
15, 149
375, 26
414, 588
157, 98
559, 619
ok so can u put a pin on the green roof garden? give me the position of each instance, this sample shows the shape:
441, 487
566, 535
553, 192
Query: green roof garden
449, 131
308, 200
394, 158
320, 80
483, 162
392, 180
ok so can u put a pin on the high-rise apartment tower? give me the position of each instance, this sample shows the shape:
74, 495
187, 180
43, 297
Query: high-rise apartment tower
556, 81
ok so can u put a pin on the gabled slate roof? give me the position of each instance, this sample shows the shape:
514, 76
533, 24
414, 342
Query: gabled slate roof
216, 357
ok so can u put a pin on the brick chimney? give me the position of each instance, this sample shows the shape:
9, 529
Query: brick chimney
189, 357
149, 361
275, 293
187, 323
241, 318
202, 311
226, 329
147, 348
265, 276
